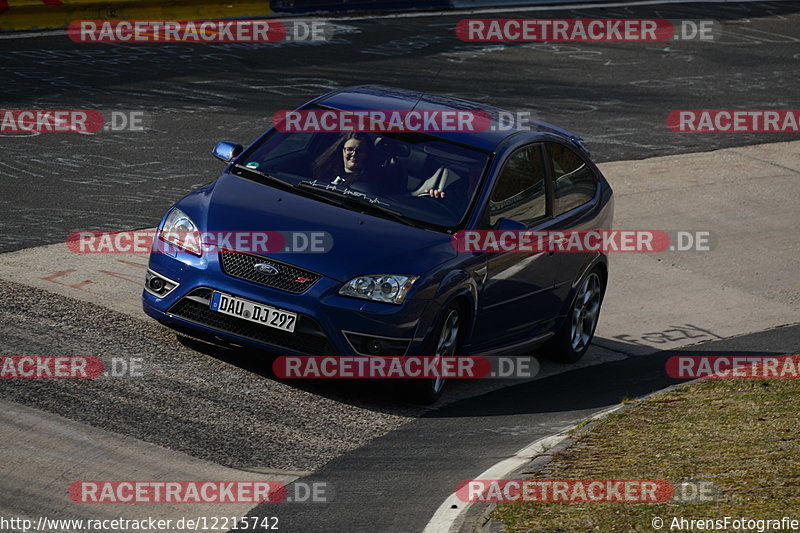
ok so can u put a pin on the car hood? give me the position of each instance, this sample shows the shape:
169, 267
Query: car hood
361, 243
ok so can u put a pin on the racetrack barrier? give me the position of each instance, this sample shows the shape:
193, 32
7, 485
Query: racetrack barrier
17, 15
26, 15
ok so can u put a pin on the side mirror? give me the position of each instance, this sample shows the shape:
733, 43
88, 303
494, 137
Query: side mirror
226, 152
509, 224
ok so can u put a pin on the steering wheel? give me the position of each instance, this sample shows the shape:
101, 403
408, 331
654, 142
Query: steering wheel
443, 204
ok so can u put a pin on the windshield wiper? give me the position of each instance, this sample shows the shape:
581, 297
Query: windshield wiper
357, 198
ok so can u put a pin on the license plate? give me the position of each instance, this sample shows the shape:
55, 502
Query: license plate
254, 312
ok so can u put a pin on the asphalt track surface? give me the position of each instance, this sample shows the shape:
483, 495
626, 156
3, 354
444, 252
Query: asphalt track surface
616, 95
390, 464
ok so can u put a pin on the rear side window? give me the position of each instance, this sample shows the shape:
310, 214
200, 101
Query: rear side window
574, 182
520, 191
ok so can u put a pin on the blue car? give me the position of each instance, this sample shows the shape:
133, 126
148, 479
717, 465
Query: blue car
384, 209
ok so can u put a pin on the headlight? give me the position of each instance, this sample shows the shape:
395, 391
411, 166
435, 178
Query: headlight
182, 232
388, 288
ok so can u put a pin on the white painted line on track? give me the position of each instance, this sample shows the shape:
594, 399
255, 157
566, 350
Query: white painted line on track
450, 513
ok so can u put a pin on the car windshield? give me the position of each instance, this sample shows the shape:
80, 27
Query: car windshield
388, 174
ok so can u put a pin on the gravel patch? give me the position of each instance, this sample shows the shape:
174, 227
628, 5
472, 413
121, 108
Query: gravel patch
219, 404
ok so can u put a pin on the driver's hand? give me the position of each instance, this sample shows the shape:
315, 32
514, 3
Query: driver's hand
435, 193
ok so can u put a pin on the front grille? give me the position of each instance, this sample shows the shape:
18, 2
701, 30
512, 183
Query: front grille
288, 278
308, 337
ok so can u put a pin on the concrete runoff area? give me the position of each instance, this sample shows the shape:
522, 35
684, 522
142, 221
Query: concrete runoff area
747, 199
44, 453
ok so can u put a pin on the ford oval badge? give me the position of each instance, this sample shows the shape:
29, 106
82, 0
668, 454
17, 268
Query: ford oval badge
266, 268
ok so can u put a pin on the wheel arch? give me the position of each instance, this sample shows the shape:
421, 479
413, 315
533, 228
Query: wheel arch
461, 289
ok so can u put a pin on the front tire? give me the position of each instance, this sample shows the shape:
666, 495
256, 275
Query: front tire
573, 339
444, 343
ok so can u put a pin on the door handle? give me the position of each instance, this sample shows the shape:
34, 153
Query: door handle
481, 274
557, 242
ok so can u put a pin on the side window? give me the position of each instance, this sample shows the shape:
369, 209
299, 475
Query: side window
520, 192
575, 182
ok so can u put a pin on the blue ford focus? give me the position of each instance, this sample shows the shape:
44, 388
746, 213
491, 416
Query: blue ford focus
367, 221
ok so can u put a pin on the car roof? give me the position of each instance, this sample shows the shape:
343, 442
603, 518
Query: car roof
380, 97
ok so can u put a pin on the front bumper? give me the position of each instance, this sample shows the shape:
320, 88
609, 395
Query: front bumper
327, 322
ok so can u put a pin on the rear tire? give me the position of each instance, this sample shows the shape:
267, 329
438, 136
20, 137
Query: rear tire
444, 343
572, 341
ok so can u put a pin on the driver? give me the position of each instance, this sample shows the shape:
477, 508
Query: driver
349, 160
353, 159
